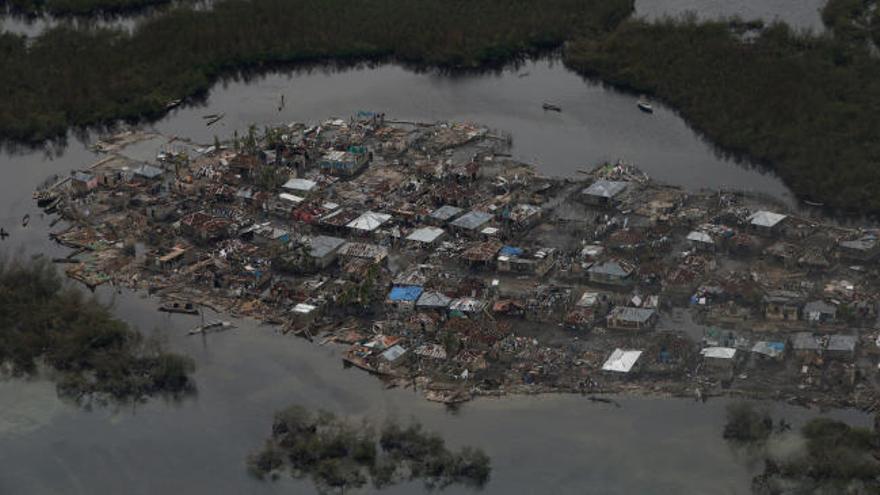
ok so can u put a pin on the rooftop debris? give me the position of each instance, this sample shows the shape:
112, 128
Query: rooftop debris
441, 263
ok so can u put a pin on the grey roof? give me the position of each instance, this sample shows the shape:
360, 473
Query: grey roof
766, 218
783, 296
472, 220
865, 243
639, 315
605, 188
845, 343
297, 184
425, 234
611, 267
323, 245
804, 341
83, 176
820, 307
445, 212
433, 300
148, 171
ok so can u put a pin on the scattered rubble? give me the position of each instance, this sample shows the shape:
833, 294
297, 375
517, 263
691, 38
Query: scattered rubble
443, 264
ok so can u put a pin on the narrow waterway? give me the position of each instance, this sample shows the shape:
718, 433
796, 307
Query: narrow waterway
562, 444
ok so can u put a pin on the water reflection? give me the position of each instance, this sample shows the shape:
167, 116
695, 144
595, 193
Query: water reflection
800, 14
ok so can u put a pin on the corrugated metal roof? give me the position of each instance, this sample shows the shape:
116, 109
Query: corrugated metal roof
766, 218
719, 352
296, 184
433, 300
445, 212
621, 361
425, 234
369, 221
605, 188
472, 220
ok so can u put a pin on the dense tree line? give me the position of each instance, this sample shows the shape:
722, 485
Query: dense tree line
64, 8
805, 105
337, 454
92, 355
80, 77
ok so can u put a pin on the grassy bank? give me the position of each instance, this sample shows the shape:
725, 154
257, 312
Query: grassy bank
805, 106
91, 355
77, 77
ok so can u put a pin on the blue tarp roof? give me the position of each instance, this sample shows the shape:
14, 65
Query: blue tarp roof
408, 293
511, 251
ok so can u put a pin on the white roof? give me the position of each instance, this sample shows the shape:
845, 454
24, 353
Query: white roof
303, 308
425, 234
766, 218
719, 352
490, 231
698, 236
621, 361
300, 184
587, 300
369, 221
291, 197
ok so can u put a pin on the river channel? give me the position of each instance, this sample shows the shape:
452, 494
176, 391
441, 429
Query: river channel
538, 444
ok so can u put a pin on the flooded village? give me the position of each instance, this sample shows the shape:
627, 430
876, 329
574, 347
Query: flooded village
441, 263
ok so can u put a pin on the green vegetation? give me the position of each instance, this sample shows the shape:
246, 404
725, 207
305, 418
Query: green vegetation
84, 77
78, 7
336, 454
834, 458
747, 424
92, 355
806, 106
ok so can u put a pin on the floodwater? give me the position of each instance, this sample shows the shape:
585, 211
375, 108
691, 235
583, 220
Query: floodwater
800, 14
538, 444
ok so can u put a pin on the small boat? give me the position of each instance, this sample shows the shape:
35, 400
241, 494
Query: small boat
211, 326
215, 119
173, 103
645, 105
813, 203
182, 308
3, 234
25, 220
551, 107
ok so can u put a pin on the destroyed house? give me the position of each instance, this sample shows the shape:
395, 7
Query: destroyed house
613, 272
701, 241
621, 361
472, 221
466, 306
83, 182
368, 221
404, 297
480, 254
522, 216
204, 227
344, 163
322, 249
364, 251
782, 305
173, 258
300, 186
243, 165
433, 300
767, 222
444, 214
626, 318
518, 260
864, 248
148, 172
723, 358
426, 235
769, 350
841, 347
805, 345
820, 312
603, 192
337, 220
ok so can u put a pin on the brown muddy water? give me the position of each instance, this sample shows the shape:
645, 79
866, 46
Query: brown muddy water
538, 444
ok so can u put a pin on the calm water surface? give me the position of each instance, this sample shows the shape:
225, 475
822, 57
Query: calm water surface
561, 444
